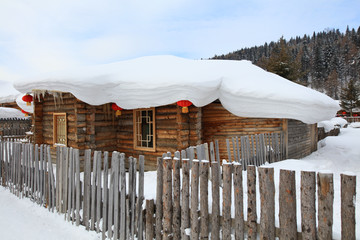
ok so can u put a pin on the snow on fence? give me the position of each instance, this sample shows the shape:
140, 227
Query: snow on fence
256, 149
182, 212
108, 202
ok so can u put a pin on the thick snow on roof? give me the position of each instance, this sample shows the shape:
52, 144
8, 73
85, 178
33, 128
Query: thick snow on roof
243, 88
7, 92
6, 112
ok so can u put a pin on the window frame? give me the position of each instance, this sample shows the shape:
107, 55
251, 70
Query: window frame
55, 127
135, 130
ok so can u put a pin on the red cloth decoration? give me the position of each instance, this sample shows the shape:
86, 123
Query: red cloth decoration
184, 104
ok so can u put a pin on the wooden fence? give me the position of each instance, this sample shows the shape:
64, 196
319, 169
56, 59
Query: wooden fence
101, 198
256, 149
14, 127
182, 211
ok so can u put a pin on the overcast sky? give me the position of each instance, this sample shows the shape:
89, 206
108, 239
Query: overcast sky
49, 35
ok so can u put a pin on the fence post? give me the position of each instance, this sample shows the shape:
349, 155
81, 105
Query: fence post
251, 202
87, 181
149, 231
204, 204
348, 196
226, 213
215, 213
325, 205
176, 206
308, 210
167, 198
77, 185
185, 218
267, 198
141, 197
238, 202
159, 193
122, 198
98, 191
287, 205
194, 234
105, 194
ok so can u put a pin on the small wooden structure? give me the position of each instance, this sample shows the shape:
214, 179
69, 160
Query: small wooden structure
63, 119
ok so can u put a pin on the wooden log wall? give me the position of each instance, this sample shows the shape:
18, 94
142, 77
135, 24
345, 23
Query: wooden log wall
302, 139
219, 124
88, 127
174, 131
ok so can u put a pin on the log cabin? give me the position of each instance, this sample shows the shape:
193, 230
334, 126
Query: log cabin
229, 98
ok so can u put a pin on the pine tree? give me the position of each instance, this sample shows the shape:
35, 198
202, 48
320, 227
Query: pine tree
281, 62
350, 97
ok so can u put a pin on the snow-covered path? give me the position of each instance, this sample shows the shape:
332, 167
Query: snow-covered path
23, 219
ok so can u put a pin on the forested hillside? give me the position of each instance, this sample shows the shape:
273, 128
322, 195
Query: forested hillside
325, 61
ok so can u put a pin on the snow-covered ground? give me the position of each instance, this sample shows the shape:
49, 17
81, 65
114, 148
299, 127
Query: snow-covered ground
22, 219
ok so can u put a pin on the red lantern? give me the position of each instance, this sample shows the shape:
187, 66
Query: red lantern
344, 113
184, 104
25, 112
28, 99
117, 109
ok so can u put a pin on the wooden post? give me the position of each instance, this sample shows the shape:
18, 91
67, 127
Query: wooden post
141, 197
159, 193
77, 184
215, 211
122, 197
176, 206
194, 234
87, 181
116, 195
105, 195
185, 217
167, 199
111, 195
204, 204
267, 198
149, 231
287, 204
251, 202
238, 202
308, 209
226, 211
348, 196
325, 205
98, 191
93, 191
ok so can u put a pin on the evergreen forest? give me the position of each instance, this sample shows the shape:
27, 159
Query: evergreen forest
325, 61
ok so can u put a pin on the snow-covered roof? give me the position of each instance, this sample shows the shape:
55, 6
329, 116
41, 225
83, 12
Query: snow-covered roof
6, 112
7, 92
243, 88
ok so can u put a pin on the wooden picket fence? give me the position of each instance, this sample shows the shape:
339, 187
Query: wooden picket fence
182, 211
103, 200
256, 149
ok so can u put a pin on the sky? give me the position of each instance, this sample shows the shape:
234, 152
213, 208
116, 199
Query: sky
38, 36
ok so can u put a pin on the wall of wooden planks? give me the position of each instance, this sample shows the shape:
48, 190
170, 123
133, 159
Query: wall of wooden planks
219, 124
97, 128
302, 139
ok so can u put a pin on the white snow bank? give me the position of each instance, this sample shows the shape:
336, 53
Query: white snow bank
6, 112
355, 125
243, 88
23, 219
339, 121
329, 125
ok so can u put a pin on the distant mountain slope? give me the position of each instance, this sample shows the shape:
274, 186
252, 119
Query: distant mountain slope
325, 61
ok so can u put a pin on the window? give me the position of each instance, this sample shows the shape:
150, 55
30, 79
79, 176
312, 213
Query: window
59, 131
144, 129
